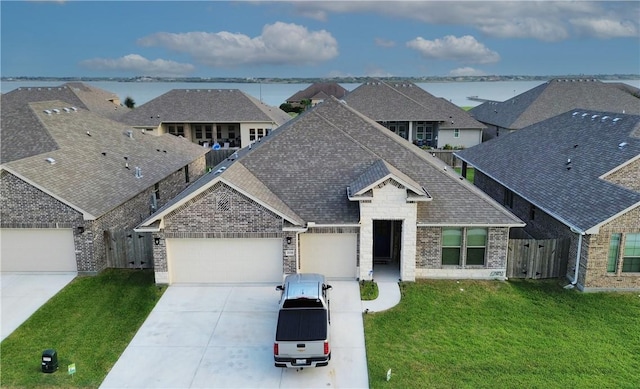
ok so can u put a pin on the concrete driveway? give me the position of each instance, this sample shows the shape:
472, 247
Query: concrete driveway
222, 337
23, 293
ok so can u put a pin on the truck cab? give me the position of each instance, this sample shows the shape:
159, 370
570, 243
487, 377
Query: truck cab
303, 329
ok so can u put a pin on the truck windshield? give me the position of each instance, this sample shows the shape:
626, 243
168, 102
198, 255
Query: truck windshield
302, 303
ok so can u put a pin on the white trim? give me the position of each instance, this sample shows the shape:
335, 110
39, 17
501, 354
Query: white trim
468, 225
596, 229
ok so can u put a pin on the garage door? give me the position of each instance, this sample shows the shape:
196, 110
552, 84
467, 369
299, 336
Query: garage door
333, 255
37, 250
224, 260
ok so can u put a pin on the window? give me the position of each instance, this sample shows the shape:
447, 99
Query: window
156, 191
532, 212
451, 246
476, 246
614, 253
456, 133
186, 174
198, 130
508, 198
208, 131
177, 130
218, 132
252, 134
631, 255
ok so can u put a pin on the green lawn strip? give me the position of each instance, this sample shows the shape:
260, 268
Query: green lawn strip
492, 334
470, 173
89, 323
368, 290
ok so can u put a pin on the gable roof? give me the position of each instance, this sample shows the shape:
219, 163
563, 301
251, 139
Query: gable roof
309, 163
204, 105
90, 157
556, 165
385, 101
381, 171
555, 97
319, 90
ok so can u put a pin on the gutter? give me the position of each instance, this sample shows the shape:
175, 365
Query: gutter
577, 264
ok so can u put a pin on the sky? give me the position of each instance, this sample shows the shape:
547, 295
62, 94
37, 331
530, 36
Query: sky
256, 39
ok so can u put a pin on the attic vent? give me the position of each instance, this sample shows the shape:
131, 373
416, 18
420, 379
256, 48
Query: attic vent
50, 160
47, 112
594, 116
56, 110
223, 202
129, 133
74, 109
67, 110
622, 145
584, 114
616, 119
604, 118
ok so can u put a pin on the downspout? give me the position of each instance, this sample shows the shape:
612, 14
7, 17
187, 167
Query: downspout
578, 255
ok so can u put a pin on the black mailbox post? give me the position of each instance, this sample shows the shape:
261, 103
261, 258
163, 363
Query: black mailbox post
49, 361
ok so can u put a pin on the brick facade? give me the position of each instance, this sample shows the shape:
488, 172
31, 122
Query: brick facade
24, 206
592, 273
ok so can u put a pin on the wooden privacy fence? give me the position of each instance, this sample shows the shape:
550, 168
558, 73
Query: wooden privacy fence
537, 258
446, 156
128, 249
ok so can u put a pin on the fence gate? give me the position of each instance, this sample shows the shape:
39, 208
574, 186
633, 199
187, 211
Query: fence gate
128, 249
537, 258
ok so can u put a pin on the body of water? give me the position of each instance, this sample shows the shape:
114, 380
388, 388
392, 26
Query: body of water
277, 93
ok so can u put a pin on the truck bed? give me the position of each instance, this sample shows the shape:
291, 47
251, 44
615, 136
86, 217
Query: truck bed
301, 325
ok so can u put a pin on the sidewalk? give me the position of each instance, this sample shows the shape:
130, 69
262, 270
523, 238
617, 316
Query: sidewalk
388, 290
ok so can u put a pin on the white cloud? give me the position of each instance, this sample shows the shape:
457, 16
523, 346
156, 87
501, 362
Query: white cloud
466, 71
605, 28
279, 44
384, 42
465, 49
139, 64
542, 20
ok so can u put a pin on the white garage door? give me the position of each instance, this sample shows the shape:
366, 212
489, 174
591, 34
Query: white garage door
333, 255
37, 250
224, 260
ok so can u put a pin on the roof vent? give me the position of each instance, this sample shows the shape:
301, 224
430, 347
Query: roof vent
129, 133
584, 114
74, 109
594, 116
51, 161
622, 145
616, 119
67, 110
138, 172
47, 112
56, 110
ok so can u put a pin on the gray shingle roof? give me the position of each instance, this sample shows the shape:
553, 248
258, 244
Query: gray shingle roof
553, 98
381, 170
204, 105
533, 162
85, 178
319, 90
309, 162
385, 101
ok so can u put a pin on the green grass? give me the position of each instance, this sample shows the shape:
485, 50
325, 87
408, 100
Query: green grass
492, 334
368, 290
89, 323
470, 173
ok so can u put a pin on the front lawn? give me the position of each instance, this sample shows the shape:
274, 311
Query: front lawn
493, 334
89, 323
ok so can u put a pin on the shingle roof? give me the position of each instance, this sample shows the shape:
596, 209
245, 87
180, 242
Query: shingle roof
22, 135
204, 105
316, 90
381, 170
385, 101
89, 171
309, 163
553, 98
534, 163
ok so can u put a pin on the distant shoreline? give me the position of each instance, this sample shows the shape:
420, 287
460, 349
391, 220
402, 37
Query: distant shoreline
307, 80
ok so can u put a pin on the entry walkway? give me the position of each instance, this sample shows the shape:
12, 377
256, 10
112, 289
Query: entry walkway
387, 278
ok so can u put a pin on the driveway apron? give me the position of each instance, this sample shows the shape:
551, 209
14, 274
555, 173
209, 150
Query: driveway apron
217, 336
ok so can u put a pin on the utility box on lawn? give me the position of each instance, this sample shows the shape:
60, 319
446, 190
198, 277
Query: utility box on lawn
49, 361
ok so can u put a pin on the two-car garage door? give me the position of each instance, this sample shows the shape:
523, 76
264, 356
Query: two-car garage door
224, 260
37, 250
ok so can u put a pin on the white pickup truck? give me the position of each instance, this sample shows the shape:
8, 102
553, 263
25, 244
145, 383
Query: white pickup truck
303, 330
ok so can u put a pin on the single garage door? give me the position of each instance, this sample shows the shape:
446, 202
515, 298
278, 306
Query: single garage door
224, 260
37, 250
333, 255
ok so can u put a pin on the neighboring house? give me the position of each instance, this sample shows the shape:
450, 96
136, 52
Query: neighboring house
553, 98
75, 183
577, 176
316, 93
332, 192
415, 114
228, 117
